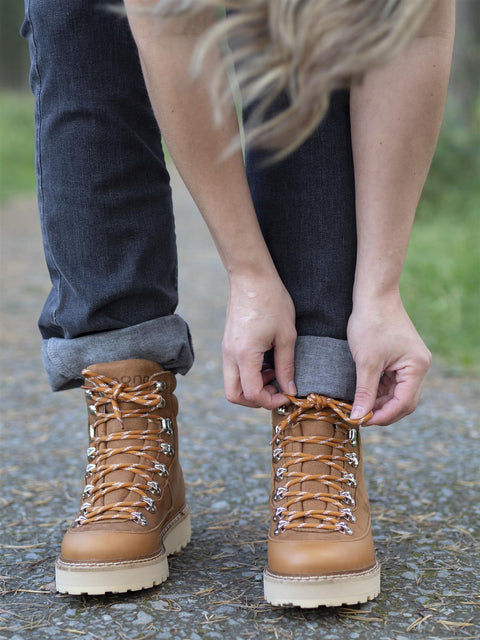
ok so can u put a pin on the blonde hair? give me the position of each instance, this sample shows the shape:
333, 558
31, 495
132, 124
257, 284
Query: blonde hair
301, 49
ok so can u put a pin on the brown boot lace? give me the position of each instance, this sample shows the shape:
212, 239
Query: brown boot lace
106, 392
337, 511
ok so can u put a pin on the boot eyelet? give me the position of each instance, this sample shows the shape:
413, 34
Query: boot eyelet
161, 404
167, 426
280, 493
278, 513
347, 498
277, 454
91, 451
154, 487
160, 385
139, 518
352, 436
87, 490
161, 469
280, 473
150, 504
350, 479
343, 527
283, 410
352, 459
280, 527
167, 449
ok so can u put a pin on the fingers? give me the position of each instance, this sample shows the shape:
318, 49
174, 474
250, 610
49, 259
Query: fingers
284, 362
247, 384
402, 399
368, 380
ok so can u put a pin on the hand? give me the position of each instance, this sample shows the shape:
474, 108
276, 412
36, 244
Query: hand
390, 357
260, 316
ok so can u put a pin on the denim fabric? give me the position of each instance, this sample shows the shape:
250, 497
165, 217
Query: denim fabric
106, 211
103, 188
306, 208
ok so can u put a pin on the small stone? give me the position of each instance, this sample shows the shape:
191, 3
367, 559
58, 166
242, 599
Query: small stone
143, 618
124, 606
221, 505
160, 605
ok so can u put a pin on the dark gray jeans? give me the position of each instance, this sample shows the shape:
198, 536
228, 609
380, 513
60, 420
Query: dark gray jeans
107, 220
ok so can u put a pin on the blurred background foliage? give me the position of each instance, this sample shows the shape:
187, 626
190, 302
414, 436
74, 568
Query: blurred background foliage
440, 284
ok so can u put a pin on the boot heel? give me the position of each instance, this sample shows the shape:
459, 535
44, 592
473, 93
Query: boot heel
178, 536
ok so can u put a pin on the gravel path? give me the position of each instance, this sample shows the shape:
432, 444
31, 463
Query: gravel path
423, 478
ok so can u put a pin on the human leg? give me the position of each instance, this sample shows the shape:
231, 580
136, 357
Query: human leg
104, 196
107, 225
320, 547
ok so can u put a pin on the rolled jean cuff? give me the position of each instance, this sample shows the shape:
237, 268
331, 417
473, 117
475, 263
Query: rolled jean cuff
324, 365
165, 340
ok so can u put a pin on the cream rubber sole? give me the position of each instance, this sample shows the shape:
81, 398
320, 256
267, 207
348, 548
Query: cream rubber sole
318, 591
118, 577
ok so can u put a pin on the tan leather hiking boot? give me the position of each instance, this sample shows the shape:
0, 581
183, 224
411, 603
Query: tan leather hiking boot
133, 512
320, 546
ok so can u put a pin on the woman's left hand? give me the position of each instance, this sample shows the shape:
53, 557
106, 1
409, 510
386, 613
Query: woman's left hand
390, 357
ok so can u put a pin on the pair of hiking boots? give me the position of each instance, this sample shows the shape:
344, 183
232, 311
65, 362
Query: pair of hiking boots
133, 513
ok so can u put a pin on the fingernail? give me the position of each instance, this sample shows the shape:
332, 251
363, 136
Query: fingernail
292, 389
357, 412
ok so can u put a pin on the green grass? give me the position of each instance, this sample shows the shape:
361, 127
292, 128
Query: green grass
440, 284
17, 165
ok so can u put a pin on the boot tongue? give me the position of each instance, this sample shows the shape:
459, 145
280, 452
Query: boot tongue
130, 373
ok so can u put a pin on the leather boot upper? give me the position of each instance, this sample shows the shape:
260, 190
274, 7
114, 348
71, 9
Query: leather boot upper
320, 516
133, 483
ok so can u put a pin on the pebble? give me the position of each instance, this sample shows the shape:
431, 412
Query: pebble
143, 618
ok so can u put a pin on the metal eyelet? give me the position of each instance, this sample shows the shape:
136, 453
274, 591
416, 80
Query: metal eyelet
139, 518
150, 504
347, 498
347, 515
343, 527
87, 491
154, 487
280, 527
160, 385
91, 432
161, 404
278, 431
78, 521
352, 436
91, 451
277, 454
90, 468
280, 493
167, 426
278, 513
85, 507
280, 473
88, 394
350, 479
352, 459
92, 409
283, 410
161, 469
167, 449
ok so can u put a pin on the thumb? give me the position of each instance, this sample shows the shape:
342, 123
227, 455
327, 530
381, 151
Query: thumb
284, 366
365, 392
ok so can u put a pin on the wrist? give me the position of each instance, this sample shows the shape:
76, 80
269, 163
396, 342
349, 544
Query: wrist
375, 295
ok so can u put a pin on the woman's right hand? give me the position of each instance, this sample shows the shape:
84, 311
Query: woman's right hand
260, 317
